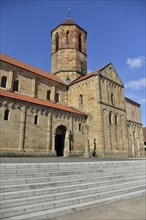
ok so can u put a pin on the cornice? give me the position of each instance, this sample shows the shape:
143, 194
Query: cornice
112, 106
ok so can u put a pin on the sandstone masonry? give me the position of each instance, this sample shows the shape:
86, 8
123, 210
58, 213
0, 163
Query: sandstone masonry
68, 111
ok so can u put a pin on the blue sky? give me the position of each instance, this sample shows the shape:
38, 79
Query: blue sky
116, 34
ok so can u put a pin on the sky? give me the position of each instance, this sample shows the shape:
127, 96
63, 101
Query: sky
116, 33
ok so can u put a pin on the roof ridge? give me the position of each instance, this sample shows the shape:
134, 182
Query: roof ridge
83, 78
29, 67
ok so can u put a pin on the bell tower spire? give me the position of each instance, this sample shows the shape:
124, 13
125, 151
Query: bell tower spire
68, 12
69, 59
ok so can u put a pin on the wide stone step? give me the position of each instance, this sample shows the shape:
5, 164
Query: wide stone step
21, 210
104, 164
45, 178
66, 167
75, 191
49, 214
63, 187
17, 173
38, 185
42, 191
67, 176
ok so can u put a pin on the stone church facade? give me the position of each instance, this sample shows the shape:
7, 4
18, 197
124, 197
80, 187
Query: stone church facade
67, 112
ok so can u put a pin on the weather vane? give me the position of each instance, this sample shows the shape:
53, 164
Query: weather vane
68, 12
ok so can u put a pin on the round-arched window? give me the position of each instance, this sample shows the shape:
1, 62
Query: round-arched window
112, 99
111, 119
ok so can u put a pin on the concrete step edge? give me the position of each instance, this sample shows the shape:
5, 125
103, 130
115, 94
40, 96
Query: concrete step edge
67, 164
88, 174
37, 199
27, 180
28, 186
48, 214
66, 169
54, 204
31, 192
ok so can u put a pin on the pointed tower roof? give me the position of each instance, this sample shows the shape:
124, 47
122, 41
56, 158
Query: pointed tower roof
68, 21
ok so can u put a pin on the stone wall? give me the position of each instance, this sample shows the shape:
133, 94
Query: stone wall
88, 89
135, 135
103, 102
21, 134
133, 111
68, 60
31, 84
10, 129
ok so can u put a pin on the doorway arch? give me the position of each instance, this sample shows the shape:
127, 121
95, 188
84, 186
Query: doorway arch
60, 140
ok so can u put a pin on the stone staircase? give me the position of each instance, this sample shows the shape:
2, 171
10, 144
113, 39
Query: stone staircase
42, 191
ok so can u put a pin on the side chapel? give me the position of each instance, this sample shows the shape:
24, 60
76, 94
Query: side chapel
66, 112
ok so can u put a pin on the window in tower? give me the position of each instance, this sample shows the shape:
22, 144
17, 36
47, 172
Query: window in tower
4, 82
48, 95
80, 41
57, 42
67, 37
6, 115
16, 85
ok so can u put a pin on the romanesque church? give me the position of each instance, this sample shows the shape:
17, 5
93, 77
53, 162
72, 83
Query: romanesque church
66, 112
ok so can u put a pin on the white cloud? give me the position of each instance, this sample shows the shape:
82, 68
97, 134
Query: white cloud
136, 84
136, 62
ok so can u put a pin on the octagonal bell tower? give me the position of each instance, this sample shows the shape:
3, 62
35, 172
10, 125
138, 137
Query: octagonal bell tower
69, 59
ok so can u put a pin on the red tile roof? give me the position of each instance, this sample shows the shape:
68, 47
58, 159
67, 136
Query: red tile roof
46, 103
30, 68
83, 78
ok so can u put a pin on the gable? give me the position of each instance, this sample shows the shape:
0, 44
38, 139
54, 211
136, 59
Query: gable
110, 73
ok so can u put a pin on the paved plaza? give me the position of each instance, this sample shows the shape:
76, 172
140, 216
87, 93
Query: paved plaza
129, 209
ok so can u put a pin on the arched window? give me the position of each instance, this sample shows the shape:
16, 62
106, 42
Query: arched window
80, 41
112, 99
16, 85
67, 37
48, 95
36, 119
57, 42
4, 82
81, 99
111, 118
6, 115
116, 119
80, 126
57, 97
